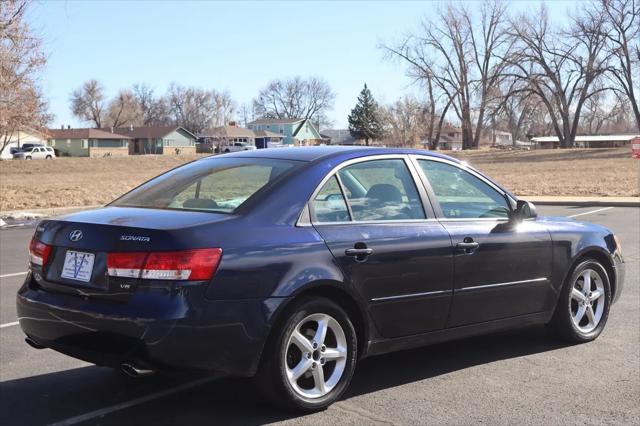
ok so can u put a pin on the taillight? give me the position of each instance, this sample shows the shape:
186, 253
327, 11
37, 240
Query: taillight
190, 265
39, 252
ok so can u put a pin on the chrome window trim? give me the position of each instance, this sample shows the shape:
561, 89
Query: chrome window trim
347, 163
410, 295
415, 158
509, 283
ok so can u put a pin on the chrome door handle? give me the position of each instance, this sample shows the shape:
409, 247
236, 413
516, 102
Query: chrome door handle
467, 246
358, 252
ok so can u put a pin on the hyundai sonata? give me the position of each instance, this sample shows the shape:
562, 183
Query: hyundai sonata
292, 264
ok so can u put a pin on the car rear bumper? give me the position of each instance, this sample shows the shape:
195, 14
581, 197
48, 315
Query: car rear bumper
158, 329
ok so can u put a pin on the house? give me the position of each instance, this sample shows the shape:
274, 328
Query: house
267, 139
340, 137
587, 141
160, 140
294, 131
88, 142
502, 138
450, 138
18, 138
213, 138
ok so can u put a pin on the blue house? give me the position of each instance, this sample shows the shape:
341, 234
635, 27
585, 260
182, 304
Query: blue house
294, 131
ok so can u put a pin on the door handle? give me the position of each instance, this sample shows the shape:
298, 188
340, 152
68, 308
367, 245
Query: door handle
358, 252
468, 246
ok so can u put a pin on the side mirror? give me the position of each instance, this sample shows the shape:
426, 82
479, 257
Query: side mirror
524, 210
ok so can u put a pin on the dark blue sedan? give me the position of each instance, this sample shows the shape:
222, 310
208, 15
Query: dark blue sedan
293, 264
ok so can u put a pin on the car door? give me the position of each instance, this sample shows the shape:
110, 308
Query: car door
39, 153
390, 247
502, 268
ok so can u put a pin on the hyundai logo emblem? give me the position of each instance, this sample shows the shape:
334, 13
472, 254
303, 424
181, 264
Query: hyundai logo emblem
75, 235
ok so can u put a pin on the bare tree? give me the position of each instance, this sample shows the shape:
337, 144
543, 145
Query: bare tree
622, 33
124, 110
560, 67
154, 109
224, 106
406, 121
88, 102
295, 97
21, 60
196, 109
246, 114
461, 60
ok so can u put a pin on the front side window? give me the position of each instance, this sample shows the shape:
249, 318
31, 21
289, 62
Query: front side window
381, 190
217, 185
461, 194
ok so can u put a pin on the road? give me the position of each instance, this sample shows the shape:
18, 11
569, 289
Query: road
515, 377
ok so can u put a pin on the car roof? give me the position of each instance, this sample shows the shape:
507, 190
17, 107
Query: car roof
314, 153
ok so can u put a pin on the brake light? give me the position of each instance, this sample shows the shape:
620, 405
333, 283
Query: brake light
39, 252
191, 265
127, 265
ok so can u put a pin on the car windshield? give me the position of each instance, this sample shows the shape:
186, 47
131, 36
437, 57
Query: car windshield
218, 185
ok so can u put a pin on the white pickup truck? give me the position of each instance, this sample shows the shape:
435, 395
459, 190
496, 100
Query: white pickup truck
236, 146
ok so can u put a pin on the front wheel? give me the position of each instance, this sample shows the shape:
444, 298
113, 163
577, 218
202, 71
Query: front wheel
309, 362
583, 306
28, 158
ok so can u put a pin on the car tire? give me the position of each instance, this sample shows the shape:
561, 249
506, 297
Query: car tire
48, 157
581, 313
283, 358
226, 150
27, 158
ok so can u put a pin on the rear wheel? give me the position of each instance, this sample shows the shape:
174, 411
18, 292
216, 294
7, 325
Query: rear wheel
309, 363
583, 306
48, 157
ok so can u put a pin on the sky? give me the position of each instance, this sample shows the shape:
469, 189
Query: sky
235, 46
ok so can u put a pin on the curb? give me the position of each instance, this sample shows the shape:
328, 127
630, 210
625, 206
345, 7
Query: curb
584, 202
50, 211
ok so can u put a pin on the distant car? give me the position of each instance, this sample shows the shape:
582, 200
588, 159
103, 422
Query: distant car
292, 264
35, 153
30, 146
237, 146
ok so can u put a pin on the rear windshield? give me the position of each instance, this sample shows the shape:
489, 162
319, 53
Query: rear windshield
218, 185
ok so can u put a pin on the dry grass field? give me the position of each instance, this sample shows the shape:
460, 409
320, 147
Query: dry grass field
88, 181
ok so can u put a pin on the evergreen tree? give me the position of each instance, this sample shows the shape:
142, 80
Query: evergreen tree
365, 121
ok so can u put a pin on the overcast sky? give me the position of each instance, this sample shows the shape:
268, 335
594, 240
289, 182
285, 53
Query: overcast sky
235, 46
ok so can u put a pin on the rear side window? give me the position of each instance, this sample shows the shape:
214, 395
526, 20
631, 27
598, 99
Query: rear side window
461, 194
217, 185
329, 204
381, 190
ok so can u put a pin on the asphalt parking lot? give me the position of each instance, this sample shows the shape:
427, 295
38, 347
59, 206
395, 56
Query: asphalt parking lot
509, 378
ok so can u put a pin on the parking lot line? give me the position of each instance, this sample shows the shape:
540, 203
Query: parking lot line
128, 404
591, 212
16, 274
9, 324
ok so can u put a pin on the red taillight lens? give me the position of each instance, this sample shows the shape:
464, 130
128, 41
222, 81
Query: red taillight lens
191, 265
39, 252
126, 265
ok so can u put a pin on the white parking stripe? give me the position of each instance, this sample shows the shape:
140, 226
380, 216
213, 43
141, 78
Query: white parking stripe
9, 324
128, 404
592, 211
17, 274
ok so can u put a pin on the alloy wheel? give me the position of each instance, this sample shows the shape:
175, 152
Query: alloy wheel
316, 356
587, 301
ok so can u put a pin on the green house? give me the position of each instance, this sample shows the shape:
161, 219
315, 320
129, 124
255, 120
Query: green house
295, 131
87, 142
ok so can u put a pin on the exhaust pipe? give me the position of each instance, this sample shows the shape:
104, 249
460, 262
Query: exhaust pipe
133, 371
33, 343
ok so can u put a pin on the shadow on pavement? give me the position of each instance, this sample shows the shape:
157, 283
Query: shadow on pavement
57, 396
